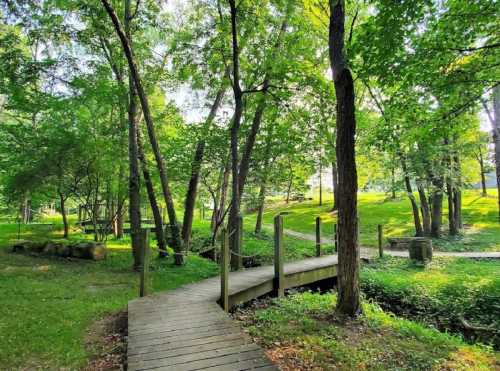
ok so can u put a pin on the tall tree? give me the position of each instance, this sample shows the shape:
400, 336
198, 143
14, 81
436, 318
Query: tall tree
348, 250
127, 49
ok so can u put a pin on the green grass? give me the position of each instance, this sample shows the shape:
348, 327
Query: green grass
302, 330
440, 294
480, 216
48, 303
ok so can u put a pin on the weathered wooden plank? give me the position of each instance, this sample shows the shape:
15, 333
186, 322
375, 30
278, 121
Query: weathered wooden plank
201, 364
176, 351
193, 357
252, 364
194, 335
174, 344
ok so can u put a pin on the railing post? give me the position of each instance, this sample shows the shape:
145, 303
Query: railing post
318, 236
144, 238
380, 240
279, 273
224, 271
335, 238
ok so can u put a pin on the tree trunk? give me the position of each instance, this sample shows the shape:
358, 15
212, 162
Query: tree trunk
483, 177
134, 176
290, 181
348, 250
235, 127
190, 200
437, 208
263, 183
127, 48
257, 120
320, 183
425, 210
334, 185
496, 139
416, 215
452, 222
63, 213
160, 235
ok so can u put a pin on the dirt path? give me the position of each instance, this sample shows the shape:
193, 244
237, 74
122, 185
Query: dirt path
367, 252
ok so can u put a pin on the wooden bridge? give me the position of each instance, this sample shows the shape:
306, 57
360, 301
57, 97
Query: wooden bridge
189, 328
186, 329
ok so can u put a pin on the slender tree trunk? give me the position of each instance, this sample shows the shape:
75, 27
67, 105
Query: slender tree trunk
414, 206
263, 184
452, 223
160, 235
320, 183
496, 139
127, 48
334, 185
134, 176
257, 120
216, 200
425, 209
483, 177
437, 208
62, 200
235, 127
223, 195
190, 200
348, 250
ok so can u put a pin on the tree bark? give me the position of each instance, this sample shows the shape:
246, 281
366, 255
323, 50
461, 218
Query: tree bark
416, 215
134, 176
437, 208
263, 184
62, 200
480, 158
190, 200
424, 209
495, 130
320, 183
452, 221
127, 48
348, 250
235, 127
159, 232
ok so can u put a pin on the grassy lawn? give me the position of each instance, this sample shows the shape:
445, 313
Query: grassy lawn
300, 332
49, 303
481, 233
441, 294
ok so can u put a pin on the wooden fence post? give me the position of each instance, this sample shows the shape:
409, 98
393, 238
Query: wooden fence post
318, 236
335, 238
279, 273
224, 270
380, 240
143, 288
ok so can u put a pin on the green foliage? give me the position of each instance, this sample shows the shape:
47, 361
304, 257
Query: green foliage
377, 340
441, 294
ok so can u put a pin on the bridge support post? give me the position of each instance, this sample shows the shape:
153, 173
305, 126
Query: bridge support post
380, 240
279, 272
335, 238
318, 236
224, 271
145, 253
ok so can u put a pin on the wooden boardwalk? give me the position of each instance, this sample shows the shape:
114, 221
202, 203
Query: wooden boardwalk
185, 329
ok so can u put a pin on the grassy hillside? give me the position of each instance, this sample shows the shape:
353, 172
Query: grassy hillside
481, 232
